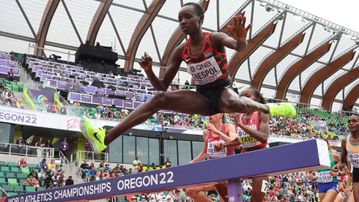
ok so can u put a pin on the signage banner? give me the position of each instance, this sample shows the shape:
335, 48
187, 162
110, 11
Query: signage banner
64, 122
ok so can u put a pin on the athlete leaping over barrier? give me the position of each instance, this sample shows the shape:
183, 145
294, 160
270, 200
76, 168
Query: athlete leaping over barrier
206, 60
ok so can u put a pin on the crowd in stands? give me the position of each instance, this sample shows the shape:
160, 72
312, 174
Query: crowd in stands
7, 96
44, 174
21, 177
307, 125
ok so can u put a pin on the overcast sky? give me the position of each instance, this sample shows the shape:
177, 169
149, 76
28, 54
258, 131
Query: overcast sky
343, 12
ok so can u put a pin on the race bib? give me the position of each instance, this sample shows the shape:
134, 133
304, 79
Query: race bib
213, 153
325, 177
205, 72
354, 160
246, 140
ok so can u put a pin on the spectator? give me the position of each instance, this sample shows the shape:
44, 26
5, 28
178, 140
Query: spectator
20, 141
98, 176
51, 166
116, 169
48, 143
101, 110
19, 104
168, 163
64, 146
107, 168
33, 173
101, 166
48, 181
5, 96
60, 179
123, 170
22, 163
63, 109
92, 171
136, 165
69, 181
97, 115
84, 168
10, 75
76, 104
31, 181
87, 146
43, 165
40, 143
53, 108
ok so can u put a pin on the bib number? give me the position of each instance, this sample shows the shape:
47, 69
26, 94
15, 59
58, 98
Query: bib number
205, 72
325, 177
213, 153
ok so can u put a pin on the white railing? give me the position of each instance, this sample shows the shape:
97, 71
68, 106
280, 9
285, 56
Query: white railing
25, 150
63, 158
80, 155
67, 55
3, 193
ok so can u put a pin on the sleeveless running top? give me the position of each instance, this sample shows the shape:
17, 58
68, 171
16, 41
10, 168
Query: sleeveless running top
207, 67
324, 174
353, 153
213, 140
248, 142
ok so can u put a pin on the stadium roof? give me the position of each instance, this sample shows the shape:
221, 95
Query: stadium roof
291, 54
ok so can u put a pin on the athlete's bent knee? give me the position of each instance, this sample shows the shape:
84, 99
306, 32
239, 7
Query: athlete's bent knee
191, 192
160, 99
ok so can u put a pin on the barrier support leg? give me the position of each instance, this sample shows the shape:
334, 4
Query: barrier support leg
235, 193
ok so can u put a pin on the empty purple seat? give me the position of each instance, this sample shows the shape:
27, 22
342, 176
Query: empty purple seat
74, 96
129, 94
86, 98
91, 90
118, 102
128, 104
107, 101
137, 104
101, 91
97, 99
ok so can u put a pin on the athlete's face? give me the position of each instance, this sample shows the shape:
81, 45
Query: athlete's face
247, 92
189, 20
215, 118
353, 123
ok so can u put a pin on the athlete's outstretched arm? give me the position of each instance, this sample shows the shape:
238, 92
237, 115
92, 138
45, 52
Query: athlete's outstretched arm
230, 130
202, 156
344, 153
262, 133
172, 68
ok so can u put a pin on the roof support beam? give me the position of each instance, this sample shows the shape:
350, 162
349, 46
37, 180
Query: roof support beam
140, 30
253, 44
72, 21
340, 83
26, 18
97, 21
322, 74
274, 58
351, 98
44, 26
177, 37
298, 67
